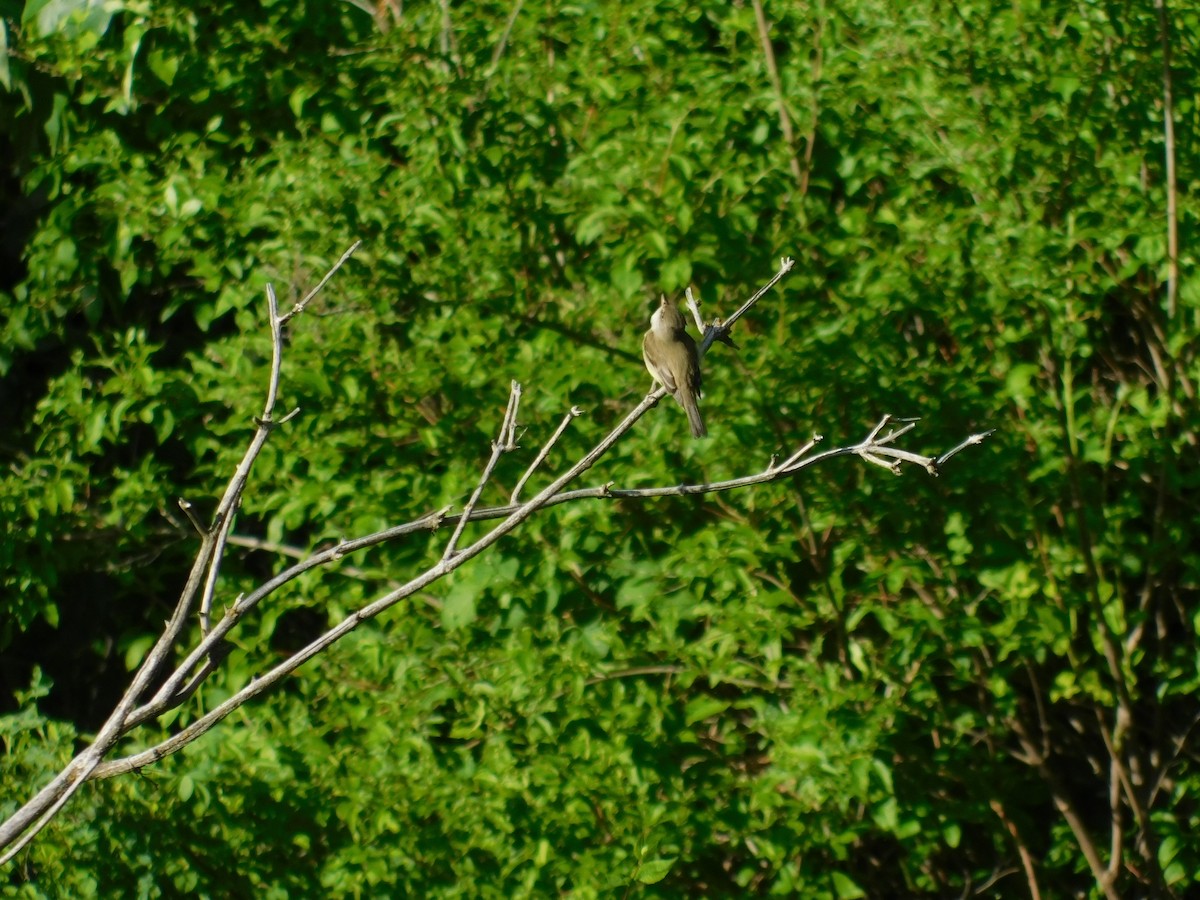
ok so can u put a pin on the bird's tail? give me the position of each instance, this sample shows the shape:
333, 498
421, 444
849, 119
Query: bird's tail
693, 413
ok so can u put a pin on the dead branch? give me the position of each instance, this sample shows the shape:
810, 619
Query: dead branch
199, 593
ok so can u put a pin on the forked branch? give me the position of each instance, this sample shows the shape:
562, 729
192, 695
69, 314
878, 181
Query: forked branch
198, 596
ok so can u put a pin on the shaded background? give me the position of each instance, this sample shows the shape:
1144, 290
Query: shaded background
847, 685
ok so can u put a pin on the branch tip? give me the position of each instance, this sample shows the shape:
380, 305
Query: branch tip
190, 512
971, 440
437, 518
299, 307
711, 334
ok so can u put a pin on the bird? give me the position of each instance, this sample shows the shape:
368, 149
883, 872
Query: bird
673, 361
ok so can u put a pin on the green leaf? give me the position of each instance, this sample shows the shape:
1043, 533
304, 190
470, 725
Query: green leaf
845, 888
136, 651
458, 608
164, 66
655, 870
299, 97
5, 71
704, 707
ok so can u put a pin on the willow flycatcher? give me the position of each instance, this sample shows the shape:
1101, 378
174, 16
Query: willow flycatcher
673, 362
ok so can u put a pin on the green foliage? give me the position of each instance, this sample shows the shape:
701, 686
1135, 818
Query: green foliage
843, 686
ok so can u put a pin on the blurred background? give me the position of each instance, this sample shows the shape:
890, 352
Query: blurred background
843, 685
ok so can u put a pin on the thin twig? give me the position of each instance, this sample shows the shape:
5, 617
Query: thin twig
276, 352
223, 520
27, 821
694, 305
906, 425
512, 516
294, 551
968, 442
878, 428
785, 121
713, 332
810, 140
1164, 31
203, 657
573, 413
71, 788
299, 307
1022, 850
190, 512
505, 35
501, 445
789, 463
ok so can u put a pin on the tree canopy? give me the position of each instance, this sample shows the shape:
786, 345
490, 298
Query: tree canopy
843, 685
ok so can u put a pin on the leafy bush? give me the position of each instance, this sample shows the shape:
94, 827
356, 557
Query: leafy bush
834, 688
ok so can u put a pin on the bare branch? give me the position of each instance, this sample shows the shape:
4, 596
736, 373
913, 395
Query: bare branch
694, 305
504, 443
276, 352
190, 512
512, 516
84, 765
969, 442
715, 332
1022, 849
789, 463
785, 120
299, 307
206, 655
223, 520
69, 789
572, 414
498, 53
1164, 32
